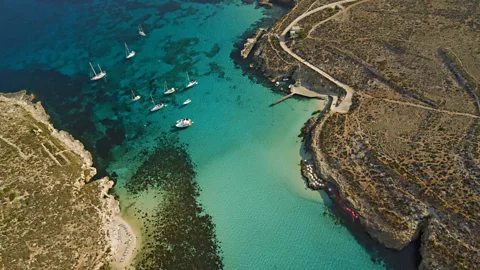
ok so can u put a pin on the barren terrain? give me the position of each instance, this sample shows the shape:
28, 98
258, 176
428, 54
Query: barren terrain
407, 155
51, 216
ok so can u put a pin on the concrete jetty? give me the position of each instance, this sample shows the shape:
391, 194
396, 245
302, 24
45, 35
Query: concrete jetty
301, 91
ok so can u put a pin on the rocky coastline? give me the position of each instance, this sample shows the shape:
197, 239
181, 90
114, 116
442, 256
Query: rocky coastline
50, 174
396, 200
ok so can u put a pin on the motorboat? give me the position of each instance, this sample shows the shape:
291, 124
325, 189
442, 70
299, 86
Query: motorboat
186, 102
183, 123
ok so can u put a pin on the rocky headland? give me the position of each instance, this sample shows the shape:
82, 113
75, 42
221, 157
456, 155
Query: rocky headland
52, 215
405, 152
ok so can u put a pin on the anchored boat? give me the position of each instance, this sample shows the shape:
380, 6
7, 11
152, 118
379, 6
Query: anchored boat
97, 76
156, 107
183, 123
128, 53
135, 97
140, 31
190, 83
168, 91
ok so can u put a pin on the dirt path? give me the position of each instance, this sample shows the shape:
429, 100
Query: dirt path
420, 106
344, 106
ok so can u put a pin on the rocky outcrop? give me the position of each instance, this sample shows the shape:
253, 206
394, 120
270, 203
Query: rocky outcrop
248, 46
56, 217
404, 157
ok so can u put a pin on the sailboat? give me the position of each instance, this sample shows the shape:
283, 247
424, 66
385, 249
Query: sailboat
169, 91
128, 53
190, 83
186, 102
135, 97
96, 76
156, 107
140, 31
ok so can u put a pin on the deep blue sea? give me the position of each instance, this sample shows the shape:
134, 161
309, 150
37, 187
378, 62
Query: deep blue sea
242, 156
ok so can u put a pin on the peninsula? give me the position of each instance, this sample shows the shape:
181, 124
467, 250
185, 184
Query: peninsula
52, 216
401, 138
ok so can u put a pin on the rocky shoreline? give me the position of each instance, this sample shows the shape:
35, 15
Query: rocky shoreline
80, 221
393, 201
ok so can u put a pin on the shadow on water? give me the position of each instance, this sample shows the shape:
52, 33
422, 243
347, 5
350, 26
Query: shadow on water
408, 258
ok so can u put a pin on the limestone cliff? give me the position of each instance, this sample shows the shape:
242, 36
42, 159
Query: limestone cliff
51, 214
406, 155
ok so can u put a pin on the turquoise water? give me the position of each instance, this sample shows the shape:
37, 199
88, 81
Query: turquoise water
246, 153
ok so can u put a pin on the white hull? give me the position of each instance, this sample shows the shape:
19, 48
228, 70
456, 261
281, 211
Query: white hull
157, 107
187, 102
98, 76
135, 98
169, 91
130, 55
140, 31
183, 123
192, 83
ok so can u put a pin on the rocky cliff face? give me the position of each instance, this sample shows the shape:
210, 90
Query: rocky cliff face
406, 156
55, 217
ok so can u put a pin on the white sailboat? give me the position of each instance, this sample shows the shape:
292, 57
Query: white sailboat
183, 123
135, 97
140, 30
156, 107
190, 83
97, 76
128, 53
168, 91
186, 102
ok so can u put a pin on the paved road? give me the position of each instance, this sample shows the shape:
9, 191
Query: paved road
344, 106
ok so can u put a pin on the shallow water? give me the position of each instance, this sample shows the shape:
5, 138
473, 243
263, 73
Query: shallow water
246, 153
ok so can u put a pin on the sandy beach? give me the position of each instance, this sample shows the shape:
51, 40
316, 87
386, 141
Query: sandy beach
124, 245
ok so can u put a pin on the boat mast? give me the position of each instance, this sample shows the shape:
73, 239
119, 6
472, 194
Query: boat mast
188, 78
100, 68
92, 68
152, 99
127, 52
133, 94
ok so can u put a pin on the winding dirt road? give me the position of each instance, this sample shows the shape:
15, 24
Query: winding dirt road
344, 106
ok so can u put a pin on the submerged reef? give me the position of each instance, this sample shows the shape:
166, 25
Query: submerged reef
180, 234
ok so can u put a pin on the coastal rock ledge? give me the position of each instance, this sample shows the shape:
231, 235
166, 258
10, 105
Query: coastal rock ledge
51, 215
406, 154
